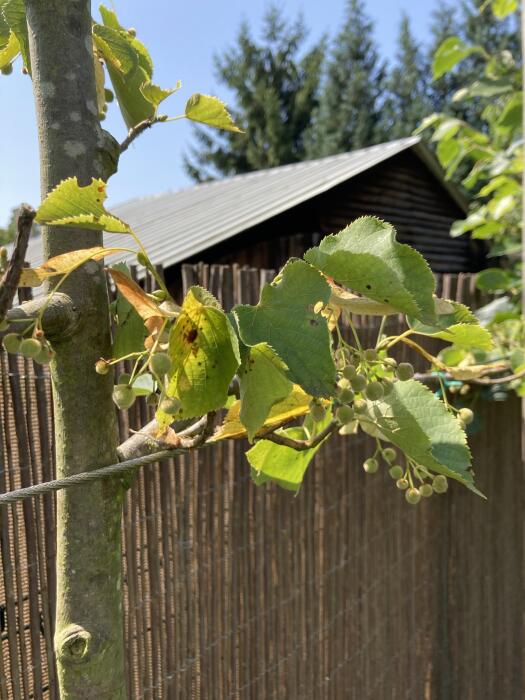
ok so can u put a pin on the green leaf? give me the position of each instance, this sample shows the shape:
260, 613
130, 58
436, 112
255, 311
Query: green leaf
284, 465
205, 354
211, 111
456, 324
284, 318
446, 130
366, 257
450, 53
502, 8
447, 151
9, 51
415, 420
263, 382
116, 49
130, 69
130, 332
143, 385
494, 279
15, 15
512, 114
69, 204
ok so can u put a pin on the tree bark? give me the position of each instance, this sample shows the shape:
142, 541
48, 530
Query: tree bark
88, 634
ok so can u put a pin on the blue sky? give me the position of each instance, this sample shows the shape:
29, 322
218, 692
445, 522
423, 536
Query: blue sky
182, 37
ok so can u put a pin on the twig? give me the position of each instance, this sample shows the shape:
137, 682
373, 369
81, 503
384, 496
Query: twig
137, 130
485, 381
9, 282
301, 445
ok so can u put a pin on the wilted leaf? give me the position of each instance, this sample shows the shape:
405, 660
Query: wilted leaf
137, 297
296, 404
61, 264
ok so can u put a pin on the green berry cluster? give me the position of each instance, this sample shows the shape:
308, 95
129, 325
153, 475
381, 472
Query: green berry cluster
35, 347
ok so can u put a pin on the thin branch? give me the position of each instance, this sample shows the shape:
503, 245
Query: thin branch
431, 377
138, 129
301, 445
11, 277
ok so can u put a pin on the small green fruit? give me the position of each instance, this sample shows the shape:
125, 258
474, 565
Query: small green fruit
348, 429
370, 355
440, 483
396, 472
405, 371
374, 391
413, 496
159, 294
124, 378
349, 372
44, 357
344, 415
108, 95
123, 396
101, 367
358, 383
142, 259
345, 395
7, 70
132, 32
387, 386
371, 465
160, 364
389, 454
30, 347
402, 484
152, 399
466, 415
317, 411
426, 490
170, 406
12, 342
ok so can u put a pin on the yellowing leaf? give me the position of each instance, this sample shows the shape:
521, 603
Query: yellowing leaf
296, 404
137, 297
69, 204
61, 264
10, 51
211, 111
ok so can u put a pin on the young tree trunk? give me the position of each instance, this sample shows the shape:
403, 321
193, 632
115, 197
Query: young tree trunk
88, 636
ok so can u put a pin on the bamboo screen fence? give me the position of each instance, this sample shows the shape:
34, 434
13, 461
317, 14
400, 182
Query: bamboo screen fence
251, 593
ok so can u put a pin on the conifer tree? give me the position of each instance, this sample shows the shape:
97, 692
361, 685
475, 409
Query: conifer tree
408, 99
275, 88
348, 116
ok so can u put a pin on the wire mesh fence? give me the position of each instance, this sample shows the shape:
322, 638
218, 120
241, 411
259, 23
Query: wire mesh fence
244, 592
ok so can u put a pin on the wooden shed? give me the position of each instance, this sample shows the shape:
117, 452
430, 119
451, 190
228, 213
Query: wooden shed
262, 218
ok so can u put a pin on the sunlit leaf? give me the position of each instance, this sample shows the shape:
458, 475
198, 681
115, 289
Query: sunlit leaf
204, 351
296, 404
211, 111
450, 53
70, 204
366, 258
502, 8
61, 264
15, 15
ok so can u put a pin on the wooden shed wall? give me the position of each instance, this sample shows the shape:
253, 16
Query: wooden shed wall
401, 190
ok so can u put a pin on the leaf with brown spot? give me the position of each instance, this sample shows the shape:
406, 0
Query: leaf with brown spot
64, 263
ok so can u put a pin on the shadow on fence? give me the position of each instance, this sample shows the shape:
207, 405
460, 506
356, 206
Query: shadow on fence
234, 591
